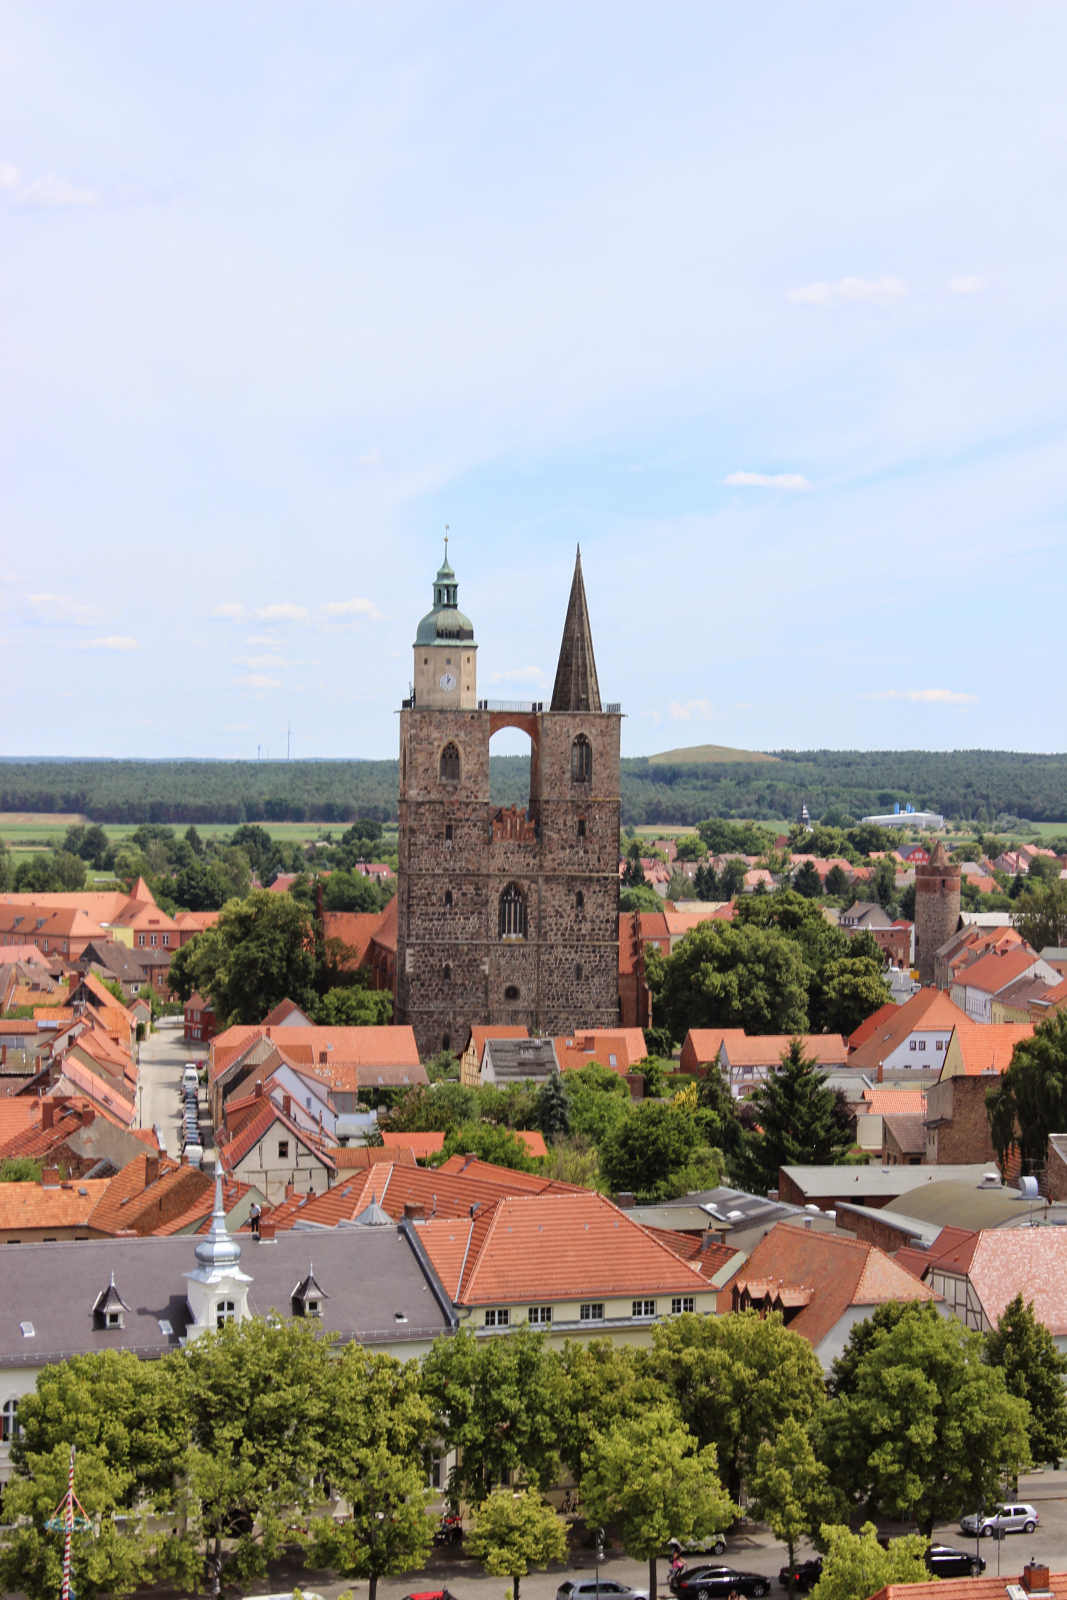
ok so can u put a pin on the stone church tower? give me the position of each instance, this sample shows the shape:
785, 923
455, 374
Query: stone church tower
505, 915
937, 908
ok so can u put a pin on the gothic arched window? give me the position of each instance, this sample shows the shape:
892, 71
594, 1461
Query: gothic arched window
581, 760
448, 897
512, 913
450, 763
9, 1421
579, 902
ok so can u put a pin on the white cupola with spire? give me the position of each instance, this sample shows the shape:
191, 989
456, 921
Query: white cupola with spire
218, 1289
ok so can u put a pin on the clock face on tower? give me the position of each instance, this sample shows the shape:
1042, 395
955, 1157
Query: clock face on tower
447, 680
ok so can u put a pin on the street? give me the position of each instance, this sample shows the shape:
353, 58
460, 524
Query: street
162, 1056
754, 1550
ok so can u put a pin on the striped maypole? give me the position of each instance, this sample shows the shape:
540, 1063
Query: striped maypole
68, 1529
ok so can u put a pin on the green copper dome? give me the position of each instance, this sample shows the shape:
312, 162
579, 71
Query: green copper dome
445, 622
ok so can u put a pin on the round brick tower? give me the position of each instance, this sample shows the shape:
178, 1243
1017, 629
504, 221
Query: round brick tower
937, 908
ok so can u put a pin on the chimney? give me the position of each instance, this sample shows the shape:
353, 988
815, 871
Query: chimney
878, 1075
50, 1178
624, 1199
414, 1212
1035, 1578
287, 1105
268, 1033
151, 1170
266, 1231
48, 1114
290, 1190
257, 1093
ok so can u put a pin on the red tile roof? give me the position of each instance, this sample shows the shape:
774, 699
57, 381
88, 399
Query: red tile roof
871, 1023
985, 1588
257, 1128
988, 1046
373, 1049
421, 1145
928, 1011
31, 1205
1005, 1262
993, 972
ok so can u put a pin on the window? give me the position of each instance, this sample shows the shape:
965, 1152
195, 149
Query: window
581, 827
940, 1045
912, 1045
497, 1317
446, 972
644, 1308
225, 1311
680, 1303
9, 1421
922, 1044
448, 897
450, 763
154, 940
166, 940
512, 919
581, 760
591, 1311
579, 903
511, 991
141, 939
283, 1149
311, 1308
541, 1316
448, 833
446, 1041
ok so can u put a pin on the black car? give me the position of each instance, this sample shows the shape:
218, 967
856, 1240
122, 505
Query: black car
945, 1561
804, 1574
709, 1583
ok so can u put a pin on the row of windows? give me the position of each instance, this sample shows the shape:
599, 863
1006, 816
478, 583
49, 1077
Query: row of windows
450, 764
588, 1311
579, 899
153, 940
939, 1044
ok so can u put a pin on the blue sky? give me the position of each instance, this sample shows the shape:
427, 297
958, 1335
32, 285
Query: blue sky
763, 304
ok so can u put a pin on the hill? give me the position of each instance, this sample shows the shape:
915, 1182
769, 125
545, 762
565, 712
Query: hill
701, 755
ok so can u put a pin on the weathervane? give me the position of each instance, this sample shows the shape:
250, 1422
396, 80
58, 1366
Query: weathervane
446, 543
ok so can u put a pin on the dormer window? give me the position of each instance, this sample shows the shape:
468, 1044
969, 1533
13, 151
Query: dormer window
225, 1311
109, 1308
306, 1299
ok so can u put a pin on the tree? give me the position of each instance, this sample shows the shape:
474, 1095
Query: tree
553, 1110
846, 992
640, 898
1024, 1350
838, 883
603, 1384
736, 1380
20, 1169
690, 847
927, 1426
1041, 911
730, 976
1030, 1099
858, 1564
796, 1121
489, 1142
882, 883
376, 1429
790, 1489
598, 1101
647, 1477
351, 891
633, 873
353, 1007
658, 1152
434, 1108
806, 880
514, 1532
258, 953
443, 1067
497, 1401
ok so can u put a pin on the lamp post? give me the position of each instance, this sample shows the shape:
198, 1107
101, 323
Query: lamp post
598, 1558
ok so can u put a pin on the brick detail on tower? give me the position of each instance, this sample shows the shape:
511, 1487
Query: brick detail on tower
504, 916
937, 908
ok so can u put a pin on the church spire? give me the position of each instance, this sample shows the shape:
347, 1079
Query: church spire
576, 687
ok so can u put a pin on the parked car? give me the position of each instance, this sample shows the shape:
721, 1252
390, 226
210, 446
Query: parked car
805, 1575
430, 1594
945, 1561
588, 1589
1009, 1518
707, 1583
708, 1544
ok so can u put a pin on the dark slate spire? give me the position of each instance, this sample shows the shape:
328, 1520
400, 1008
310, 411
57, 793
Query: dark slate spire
576, 687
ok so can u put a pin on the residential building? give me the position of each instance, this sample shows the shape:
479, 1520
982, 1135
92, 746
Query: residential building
829, 1187
910, 1037
977, 986
747, 1060
200, 1024
470, 1062
276, 1156
979, 1278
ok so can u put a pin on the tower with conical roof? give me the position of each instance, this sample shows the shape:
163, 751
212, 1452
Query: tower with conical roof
506, 915
937, 907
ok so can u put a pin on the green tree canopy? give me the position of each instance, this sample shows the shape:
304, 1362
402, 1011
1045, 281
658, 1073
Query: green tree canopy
603, 1384
927, 1427
790, 1488
657, 1152
353, 1007
489, 1142
514, 1532
858, 1564
1041, 912
258, 953
731, 975
647, 1477
806, 881
799, 1122
1030, 1099
846, 991
1033, 1368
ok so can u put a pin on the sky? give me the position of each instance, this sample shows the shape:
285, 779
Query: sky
763, 305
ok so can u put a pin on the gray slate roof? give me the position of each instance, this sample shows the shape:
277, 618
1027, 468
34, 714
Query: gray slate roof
381, 1289
521, 1058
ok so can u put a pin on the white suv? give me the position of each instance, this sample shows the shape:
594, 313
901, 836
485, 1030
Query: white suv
1006, 1518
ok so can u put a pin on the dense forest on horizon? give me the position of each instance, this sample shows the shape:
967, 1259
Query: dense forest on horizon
979, 785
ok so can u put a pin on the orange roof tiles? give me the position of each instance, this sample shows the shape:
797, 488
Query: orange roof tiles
1032, 1262
257, 1128
355, 929
421, 1145
32, 1205
985, 1588
871, 1023
372, 1047
993, 972
988, 1046
358, 1157
480, 1032
928, 1011
894, 1102
552, 1247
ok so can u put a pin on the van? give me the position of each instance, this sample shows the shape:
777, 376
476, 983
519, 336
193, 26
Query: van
190, 1076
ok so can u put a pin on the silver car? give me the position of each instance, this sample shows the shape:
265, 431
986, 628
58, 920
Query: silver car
589, 1589
1008, 1518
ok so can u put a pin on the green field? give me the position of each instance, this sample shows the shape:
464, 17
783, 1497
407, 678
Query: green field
29, 835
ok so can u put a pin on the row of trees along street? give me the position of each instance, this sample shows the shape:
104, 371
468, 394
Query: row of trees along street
224, 1454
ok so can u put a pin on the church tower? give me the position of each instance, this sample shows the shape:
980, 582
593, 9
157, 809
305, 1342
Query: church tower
506, 915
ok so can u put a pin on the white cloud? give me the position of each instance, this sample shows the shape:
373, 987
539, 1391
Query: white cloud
269, 640
767, 480
111, 641
229, 608
370, 458
880, 291
353, 608
53, 193
260, 662
9, 175
690, 710
519, 675
945, 697
59, 608
966, 283
257, 680
282, 611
